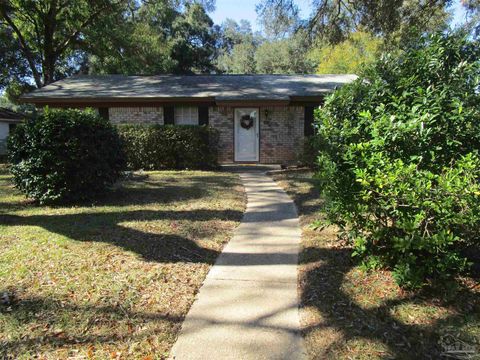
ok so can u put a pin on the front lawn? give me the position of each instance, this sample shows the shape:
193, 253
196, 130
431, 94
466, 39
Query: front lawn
112, 279
350, 314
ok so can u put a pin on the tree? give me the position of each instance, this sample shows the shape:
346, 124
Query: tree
394, 20
231, 33
241, 60
279, 19
284, 56
13, 66
243, 52
49, 34
131, 49
472, 23
157, 37
348, 57
135, 44
238, 45
193, 41
49, 40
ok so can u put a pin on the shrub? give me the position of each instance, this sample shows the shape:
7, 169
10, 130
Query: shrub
399, 159
155, 147
309, 153
65, 155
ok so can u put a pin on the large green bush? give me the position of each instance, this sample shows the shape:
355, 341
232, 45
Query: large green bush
399, 159
65, 155
156, 147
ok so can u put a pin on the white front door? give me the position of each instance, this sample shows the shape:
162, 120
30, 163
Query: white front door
246, 134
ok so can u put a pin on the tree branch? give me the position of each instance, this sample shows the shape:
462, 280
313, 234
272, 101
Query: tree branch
82, 26
29, 18
23, 45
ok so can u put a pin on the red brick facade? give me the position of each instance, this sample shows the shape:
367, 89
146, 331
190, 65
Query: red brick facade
281, 129
136, 115
281, 133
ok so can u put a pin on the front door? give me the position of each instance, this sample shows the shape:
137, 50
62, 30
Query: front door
246, 134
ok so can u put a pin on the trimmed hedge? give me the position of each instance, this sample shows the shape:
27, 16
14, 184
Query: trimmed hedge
157, 147
65, 155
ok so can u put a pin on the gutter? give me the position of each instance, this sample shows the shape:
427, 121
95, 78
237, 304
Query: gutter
159, 102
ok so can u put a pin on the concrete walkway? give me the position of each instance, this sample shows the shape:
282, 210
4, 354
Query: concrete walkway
247, 307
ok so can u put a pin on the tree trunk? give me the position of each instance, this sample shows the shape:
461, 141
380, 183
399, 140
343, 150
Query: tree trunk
49, 55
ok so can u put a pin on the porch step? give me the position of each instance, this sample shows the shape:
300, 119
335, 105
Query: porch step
249, 167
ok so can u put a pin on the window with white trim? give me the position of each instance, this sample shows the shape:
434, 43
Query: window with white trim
186, 115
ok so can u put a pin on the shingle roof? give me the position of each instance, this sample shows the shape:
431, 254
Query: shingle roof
219, 87
10, 115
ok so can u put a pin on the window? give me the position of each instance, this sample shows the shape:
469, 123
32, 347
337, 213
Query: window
186, 115
103, 112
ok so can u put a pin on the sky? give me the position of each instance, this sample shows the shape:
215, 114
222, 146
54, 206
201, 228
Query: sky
245, 9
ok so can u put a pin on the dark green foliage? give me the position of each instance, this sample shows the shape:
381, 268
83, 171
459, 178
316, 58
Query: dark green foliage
400, 159
47, 41
157, 37
65, 155
12, 67
156, 147
309, 155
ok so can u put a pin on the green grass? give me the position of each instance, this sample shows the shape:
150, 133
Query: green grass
113, 279
351, 314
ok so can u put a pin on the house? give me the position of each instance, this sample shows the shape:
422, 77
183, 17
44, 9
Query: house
260, 118
8, 120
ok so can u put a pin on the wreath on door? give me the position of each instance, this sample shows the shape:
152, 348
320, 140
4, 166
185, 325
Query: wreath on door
246, 122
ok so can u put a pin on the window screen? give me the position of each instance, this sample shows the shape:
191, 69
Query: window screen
186, 115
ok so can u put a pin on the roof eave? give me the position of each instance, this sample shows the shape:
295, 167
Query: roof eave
252, 102
11, 121
115, 101
160, 101
49, 99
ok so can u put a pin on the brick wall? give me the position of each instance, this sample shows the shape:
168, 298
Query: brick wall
136, 115
281, 134
281, 131
221, 118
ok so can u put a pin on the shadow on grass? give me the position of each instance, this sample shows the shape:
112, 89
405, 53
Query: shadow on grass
324, 292
324, 280
171, 189
163, 244
106, 227
45, 331
139, 190
304, 191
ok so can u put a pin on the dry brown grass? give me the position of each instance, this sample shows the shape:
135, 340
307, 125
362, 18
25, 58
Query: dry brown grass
351, 314
112, 279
